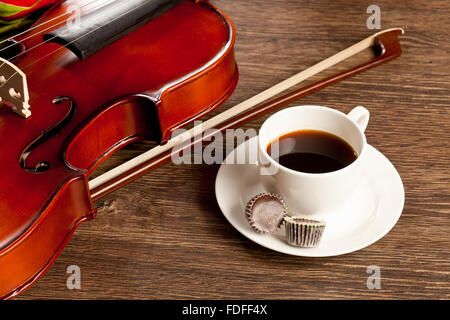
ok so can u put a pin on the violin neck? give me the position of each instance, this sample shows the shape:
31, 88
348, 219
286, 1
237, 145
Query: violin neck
97, 29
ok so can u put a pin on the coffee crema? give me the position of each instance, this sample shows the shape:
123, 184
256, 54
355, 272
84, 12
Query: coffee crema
311, 151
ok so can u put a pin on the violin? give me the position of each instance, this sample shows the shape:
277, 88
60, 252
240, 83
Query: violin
126, 70
90, 77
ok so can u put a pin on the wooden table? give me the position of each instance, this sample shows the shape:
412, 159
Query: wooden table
132, 249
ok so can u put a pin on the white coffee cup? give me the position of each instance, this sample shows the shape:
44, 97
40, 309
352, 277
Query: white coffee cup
313, 194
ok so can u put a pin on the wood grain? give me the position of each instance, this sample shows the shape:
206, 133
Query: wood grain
133, 250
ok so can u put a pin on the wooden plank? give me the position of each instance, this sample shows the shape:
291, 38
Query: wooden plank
164, 237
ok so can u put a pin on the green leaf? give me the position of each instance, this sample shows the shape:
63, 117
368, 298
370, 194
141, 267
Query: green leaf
7, 10
10, 25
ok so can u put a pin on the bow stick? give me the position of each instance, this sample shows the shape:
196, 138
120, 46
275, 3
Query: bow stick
388, 47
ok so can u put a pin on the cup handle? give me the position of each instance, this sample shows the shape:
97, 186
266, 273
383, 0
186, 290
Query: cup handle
360, 116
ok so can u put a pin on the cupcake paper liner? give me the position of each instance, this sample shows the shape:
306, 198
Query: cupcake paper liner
265, 212
303, 232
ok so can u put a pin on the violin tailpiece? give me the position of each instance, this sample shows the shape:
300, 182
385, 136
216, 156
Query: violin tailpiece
13, 88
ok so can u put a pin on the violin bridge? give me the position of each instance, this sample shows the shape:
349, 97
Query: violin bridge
13, 88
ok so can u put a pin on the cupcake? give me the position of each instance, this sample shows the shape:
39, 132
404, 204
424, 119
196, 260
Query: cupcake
265, 212
303, 232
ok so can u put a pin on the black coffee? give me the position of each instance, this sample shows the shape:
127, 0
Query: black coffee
312, 151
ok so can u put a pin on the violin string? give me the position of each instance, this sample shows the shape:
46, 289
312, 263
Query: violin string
64, 21
23, 52
32, 28
35, 34
50, 39
48, 28
41, 24
54, 51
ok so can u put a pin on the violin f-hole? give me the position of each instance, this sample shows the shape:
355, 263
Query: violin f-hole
43, 166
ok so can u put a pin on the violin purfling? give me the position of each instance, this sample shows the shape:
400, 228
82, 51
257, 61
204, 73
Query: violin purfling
89, 78
92, 76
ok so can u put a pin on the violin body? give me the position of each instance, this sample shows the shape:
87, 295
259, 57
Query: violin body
148, 83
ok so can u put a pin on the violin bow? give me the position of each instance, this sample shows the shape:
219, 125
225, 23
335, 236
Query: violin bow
387, 47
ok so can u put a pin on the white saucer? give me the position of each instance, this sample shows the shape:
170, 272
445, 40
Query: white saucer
371, 213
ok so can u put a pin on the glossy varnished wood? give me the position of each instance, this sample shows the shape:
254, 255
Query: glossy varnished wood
163, 236
148, 83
